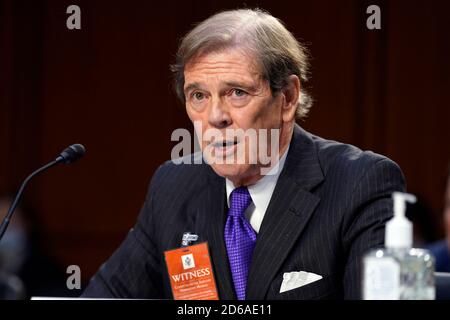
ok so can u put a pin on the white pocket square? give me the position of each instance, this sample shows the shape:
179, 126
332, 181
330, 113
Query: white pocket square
293, 280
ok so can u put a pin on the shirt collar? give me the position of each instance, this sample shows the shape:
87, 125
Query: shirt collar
261, 192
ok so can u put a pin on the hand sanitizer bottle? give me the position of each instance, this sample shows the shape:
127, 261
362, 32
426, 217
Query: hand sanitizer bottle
398, 272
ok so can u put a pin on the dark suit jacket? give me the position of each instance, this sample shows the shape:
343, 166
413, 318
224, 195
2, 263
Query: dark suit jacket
328, 208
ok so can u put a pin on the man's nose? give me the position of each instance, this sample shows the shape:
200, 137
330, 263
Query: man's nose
219, 116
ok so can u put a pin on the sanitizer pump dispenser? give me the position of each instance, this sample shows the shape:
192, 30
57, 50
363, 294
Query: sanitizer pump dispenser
398, 272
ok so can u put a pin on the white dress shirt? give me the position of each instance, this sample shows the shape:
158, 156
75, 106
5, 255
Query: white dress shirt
261, 193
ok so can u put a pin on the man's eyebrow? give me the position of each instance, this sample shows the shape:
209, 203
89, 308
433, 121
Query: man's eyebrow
249, 87
190, 86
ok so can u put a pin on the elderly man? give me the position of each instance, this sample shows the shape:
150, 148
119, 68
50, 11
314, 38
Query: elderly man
297, 232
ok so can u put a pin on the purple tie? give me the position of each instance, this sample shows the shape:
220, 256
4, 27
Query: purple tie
240, 239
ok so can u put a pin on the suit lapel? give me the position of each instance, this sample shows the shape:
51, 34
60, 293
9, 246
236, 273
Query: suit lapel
290, 208
212, 212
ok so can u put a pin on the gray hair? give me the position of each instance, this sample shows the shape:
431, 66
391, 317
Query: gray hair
276, 50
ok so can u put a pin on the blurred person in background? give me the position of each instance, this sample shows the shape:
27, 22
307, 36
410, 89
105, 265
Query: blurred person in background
419, 214
26, 270
441, 249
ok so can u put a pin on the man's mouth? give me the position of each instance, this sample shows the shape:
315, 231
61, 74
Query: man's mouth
224, 148
224, 144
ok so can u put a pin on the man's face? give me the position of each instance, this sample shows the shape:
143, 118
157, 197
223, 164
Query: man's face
225, 90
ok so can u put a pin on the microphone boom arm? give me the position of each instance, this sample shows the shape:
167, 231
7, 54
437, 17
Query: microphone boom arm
69, 155
5, 222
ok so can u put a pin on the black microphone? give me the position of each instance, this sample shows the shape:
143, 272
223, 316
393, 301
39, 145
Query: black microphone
69, 155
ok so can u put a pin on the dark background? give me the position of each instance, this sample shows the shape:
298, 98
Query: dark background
108, 86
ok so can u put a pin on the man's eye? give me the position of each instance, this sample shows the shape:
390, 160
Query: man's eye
198, 95
238, 92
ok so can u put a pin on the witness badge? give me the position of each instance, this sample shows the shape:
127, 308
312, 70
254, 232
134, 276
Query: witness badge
190, 272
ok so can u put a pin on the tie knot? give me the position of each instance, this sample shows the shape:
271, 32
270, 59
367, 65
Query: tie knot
239, 201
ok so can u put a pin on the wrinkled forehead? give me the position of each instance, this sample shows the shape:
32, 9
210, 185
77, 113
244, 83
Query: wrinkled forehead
230, 57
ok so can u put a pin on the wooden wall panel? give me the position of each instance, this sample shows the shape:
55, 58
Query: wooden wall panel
108, 86
418, 90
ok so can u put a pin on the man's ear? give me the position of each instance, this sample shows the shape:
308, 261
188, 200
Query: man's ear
291, 94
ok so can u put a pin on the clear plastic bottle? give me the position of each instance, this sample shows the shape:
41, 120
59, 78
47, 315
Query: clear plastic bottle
398, 272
